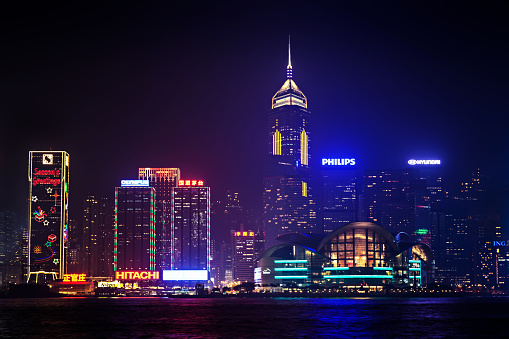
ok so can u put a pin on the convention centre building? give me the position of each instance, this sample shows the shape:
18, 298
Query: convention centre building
359, 255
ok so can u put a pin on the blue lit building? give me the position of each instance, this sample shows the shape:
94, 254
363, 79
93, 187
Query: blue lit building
356, 255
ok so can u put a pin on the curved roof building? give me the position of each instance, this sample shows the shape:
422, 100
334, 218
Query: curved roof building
354, 255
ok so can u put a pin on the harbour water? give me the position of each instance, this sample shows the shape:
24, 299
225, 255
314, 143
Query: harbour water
461, 317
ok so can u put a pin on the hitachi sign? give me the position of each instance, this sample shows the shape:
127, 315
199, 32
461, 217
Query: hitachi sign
338, 162
136, 275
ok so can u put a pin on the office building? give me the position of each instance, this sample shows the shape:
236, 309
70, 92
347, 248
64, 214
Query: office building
243, 255
48, 175
389, 198
190, 226
162, 180
134, 227
288, 200
97, 239
339, 192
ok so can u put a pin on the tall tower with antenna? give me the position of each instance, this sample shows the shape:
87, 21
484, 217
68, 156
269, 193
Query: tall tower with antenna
288, 202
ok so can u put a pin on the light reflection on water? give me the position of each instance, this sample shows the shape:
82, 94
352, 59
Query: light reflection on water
254, 317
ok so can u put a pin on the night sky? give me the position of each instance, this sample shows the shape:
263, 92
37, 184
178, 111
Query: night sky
121, 86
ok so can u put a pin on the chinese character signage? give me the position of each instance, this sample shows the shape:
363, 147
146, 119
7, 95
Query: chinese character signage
190, 182
48, 210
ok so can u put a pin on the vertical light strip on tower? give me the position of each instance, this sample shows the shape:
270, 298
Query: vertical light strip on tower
172, 223
208, 230
304, 147
115, 235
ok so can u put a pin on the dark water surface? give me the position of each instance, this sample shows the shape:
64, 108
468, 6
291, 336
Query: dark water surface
480, 317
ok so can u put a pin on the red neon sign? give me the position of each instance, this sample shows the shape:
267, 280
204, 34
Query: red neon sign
190, 182
75, 277
137, 275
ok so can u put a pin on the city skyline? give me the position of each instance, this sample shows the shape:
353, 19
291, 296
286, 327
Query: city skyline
386, 83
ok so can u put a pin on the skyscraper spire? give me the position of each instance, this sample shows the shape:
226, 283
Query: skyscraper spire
289, 67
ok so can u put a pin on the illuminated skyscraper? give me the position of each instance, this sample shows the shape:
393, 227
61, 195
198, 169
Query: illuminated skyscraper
287, 171
340, 186
134, 229
243, 255
163, 180
48, 175
190, 226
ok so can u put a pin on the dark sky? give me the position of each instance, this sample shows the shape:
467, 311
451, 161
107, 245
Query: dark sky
122, 86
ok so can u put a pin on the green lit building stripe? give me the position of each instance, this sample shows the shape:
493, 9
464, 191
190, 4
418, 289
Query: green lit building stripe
290, 261
336, 268
382, 268
289, 277
290, 269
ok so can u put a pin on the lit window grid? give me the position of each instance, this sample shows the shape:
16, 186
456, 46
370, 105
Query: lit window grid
357, 248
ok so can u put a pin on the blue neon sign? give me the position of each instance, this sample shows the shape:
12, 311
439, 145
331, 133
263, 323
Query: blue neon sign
134, 183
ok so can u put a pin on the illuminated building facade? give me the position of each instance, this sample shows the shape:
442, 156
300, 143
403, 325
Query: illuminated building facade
48, 176
340, 189
354, 256
287, 165
134, 227
389, 198
243, 255
190, 226
97, 237
163, 180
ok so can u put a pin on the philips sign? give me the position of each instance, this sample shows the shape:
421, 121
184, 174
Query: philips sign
134, 183
423, 162
338, 162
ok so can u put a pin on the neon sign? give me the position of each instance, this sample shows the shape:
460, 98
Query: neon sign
134, 183
190, 182
185, 275
338, 162
108, 284
45, 181
244, 234
137, 275
423, 162
501, 243
75, 277
39, 215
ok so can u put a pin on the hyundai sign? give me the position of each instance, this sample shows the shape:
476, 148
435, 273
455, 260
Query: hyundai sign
423, 162
134, 183
338, 162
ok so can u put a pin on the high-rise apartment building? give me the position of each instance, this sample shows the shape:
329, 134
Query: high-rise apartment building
190, 226
134, 226
162, 180
288, 202
48, 175
97, 239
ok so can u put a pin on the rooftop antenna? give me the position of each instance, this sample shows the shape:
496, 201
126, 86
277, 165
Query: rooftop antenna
289, 67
